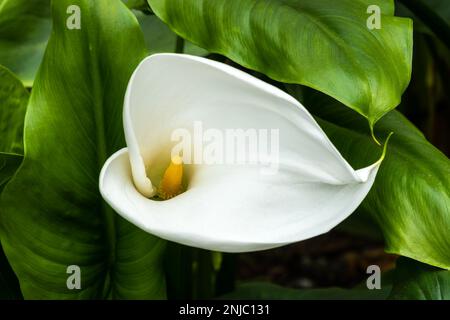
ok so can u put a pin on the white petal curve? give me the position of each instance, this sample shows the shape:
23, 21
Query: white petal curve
227, 207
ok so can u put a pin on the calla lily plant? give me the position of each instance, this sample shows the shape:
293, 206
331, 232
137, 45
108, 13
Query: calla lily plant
305, 190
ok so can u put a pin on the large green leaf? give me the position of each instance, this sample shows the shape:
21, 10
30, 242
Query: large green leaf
410, 199
52, 213
413, 280
324, 44
261, 290
24, 30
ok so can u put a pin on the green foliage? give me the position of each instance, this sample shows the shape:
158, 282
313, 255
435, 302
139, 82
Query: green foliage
159, 38
417, 281
137, 5
435, 14
331, 50
411, 280
13, 102
410, 199
268, 291
52, 213
24, 30
9, 286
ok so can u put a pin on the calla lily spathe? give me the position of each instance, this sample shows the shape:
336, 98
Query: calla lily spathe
228, 208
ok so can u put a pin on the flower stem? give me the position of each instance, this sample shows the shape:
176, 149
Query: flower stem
178, 266
179, 45
203, 274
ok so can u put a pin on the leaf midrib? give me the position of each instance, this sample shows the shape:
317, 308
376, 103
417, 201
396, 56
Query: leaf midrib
99, 117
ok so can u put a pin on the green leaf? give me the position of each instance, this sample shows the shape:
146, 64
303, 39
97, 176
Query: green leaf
13, 103
323, 44
179, 271
435, 14
441, 8
417, 281
53, 215
24, 30
159, 37
137, 4
361, 225
9, 285
9, 163
410, 199
268, 291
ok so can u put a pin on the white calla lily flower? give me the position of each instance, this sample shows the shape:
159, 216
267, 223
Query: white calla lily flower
226, 207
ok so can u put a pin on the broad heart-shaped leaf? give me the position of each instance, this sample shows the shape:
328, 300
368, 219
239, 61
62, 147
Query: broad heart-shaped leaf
52, 213
24, 30
417, 281
323, 44
410, 199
